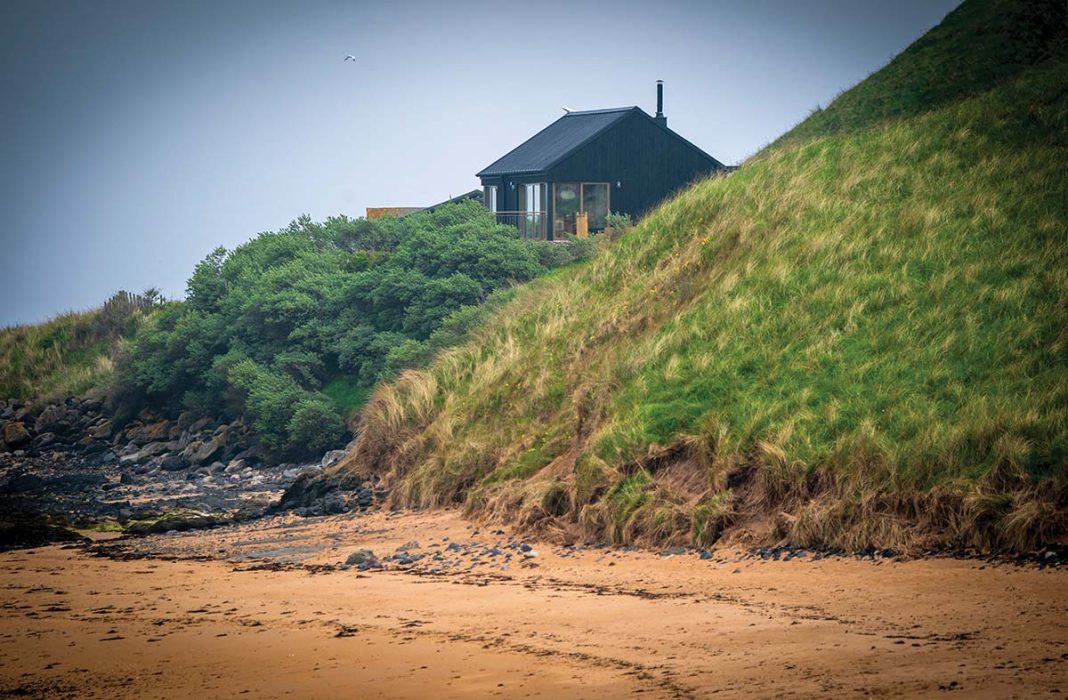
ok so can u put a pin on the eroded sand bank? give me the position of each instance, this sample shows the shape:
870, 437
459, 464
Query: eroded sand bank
256, 609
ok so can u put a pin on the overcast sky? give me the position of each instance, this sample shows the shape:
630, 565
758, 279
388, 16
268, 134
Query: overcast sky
137, 136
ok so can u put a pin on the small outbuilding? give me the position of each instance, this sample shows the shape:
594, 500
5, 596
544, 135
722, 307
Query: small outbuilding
588, 164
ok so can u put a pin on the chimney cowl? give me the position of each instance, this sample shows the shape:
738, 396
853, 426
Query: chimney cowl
660, 118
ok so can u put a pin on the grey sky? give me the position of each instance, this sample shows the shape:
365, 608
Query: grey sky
136, 136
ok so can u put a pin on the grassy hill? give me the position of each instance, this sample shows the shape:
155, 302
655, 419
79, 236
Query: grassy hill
69, 354
858, 339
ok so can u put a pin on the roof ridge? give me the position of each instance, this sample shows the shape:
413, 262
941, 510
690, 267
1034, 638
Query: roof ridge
580, 112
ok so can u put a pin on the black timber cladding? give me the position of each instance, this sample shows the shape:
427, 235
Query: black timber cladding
643, 160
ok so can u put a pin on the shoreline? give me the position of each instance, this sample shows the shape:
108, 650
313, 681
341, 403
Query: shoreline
207, 612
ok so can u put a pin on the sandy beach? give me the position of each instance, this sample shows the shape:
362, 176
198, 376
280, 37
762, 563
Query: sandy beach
264, 609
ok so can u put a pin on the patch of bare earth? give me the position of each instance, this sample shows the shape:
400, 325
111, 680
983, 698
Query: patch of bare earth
264, 609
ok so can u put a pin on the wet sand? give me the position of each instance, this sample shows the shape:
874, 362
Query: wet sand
261, 610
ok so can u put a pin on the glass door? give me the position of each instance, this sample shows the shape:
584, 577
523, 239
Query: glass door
567, 202
595, 203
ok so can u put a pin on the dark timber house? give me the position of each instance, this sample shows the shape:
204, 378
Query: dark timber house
607, 160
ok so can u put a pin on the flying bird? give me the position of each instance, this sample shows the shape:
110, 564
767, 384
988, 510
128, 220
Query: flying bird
350, 57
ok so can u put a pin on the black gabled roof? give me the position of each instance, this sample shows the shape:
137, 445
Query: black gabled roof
473, 194
556, 141
563, 137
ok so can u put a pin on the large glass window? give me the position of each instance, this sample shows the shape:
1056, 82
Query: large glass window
570, 198
490, 197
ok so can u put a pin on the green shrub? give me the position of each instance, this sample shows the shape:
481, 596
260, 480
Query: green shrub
267, 325
316, 426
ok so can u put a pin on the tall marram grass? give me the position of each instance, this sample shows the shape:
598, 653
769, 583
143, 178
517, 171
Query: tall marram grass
858, 339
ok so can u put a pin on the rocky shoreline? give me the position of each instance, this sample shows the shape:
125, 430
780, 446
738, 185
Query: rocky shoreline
69, 464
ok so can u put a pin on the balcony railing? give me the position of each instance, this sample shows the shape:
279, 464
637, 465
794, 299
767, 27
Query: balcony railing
532, 225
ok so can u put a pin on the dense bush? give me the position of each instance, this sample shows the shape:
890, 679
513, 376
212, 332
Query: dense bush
267, 326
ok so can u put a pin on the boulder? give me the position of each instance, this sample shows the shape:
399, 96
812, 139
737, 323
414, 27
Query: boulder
50, 418
235, 466
173, 463
16, 435
101, 431
199, 425
155, 431
44, 439
131, 458
360, 556
208, 451
332, 457
34, 532
249, 456
152, 449
141, 434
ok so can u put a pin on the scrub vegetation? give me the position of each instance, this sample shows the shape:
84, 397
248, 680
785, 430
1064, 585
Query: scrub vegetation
291, 329
72, 353
860, 338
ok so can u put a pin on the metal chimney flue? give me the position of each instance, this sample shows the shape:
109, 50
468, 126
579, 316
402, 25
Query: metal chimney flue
660, 118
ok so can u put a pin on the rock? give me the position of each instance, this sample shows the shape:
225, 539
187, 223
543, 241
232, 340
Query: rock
530, 553
673, 551
130, 458
153, 449
360, 556
175, 523
24, 483
156, 431
199, 425
185, 419
250, 456
408, 546
34, 533
16, 435
50, 418
174, 463
524, 547
126, 478
43, 440
101, 431
208, 451
234, 466
331, 458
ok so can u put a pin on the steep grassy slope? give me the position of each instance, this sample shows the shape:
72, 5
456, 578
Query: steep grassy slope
69, 354
860, 338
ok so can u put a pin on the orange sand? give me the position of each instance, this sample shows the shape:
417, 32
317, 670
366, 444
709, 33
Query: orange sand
600, 623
